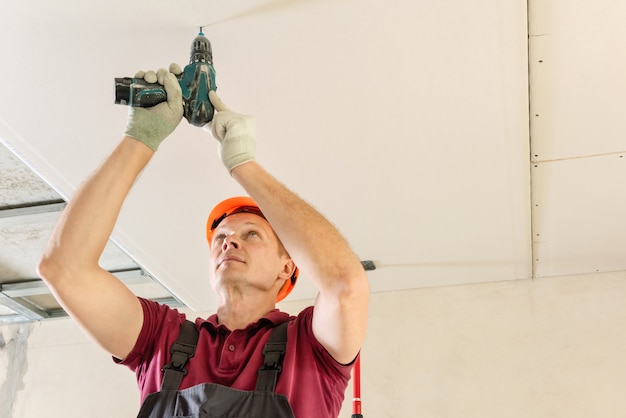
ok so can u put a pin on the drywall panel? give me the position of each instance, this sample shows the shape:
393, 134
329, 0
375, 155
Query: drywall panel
577, 83
578, 211
407, 126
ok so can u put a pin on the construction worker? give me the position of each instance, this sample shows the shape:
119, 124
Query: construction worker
258, 246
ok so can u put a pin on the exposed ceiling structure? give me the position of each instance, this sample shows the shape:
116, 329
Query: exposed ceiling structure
450, 142
28, 210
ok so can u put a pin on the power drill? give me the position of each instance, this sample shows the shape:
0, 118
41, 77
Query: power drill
196, 80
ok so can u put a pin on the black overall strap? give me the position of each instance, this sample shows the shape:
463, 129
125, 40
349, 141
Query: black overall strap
273, 351
182, 350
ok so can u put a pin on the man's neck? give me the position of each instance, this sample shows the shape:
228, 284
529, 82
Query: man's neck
238, 314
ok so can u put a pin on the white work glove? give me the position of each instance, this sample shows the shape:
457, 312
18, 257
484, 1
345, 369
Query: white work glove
236, 134
151, 125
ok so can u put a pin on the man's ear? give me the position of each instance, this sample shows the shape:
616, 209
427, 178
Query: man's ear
288, 268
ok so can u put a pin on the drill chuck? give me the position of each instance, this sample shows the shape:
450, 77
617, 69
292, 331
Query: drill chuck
196, 80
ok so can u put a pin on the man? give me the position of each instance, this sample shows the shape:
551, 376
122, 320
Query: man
255, 246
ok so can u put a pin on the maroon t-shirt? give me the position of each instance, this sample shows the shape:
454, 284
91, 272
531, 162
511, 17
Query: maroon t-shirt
311, 379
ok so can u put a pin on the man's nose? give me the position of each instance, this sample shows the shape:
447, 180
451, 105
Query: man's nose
230, 241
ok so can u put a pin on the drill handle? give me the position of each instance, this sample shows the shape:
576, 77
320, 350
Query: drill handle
137, 92
195, 81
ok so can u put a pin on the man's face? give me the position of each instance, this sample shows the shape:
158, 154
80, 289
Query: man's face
246, 254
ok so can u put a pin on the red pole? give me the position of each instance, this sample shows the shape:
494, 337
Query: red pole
356, 389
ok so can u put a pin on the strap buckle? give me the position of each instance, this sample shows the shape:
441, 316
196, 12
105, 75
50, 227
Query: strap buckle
181, 353
273, 353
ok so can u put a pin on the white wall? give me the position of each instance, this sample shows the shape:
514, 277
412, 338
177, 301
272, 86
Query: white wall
544, 348
524, 349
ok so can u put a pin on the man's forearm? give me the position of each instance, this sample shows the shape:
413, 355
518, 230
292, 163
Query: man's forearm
312, 241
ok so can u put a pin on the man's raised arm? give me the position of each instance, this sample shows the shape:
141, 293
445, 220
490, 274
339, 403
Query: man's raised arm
316, 246
103, 306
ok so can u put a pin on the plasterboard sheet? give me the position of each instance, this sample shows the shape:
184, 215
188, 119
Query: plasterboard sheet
578, 216
22, 246
577, 84
407, 126
18, 184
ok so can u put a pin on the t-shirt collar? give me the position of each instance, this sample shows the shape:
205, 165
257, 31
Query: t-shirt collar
274, 317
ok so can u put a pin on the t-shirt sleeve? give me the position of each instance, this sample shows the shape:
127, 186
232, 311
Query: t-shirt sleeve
322, 355
308, 363
156, 332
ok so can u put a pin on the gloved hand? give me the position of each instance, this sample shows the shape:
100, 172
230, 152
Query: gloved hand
151, 125
236, 134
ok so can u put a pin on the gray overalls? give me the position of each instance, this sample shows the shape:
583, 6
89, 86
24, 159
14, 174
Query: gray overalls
210, 400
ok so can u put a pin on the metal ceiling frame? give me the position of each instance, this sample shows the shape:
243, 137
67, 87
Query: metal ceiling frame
14, 295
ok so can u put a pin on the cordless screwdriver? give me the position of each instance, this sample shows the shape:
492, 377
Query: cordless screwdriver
196, 80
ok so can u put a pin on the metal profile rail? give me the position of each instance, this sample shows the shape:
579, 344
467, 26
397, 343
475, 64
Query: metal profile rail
14, 297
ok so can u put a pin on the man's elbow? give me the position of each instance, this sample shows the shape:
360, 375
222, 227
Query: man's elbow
352, 286
52, 270
47, 269
360, 287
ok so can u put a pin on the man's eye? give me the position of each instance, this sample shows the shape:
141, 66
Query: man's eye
253, 234
219, 237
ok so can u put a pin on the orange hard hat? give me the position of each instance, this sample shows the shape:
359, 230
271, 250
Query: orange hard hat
243, 204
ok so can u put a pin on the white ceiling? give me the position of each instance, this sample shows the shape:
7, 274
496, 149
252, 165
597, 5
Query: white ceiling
410, 124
